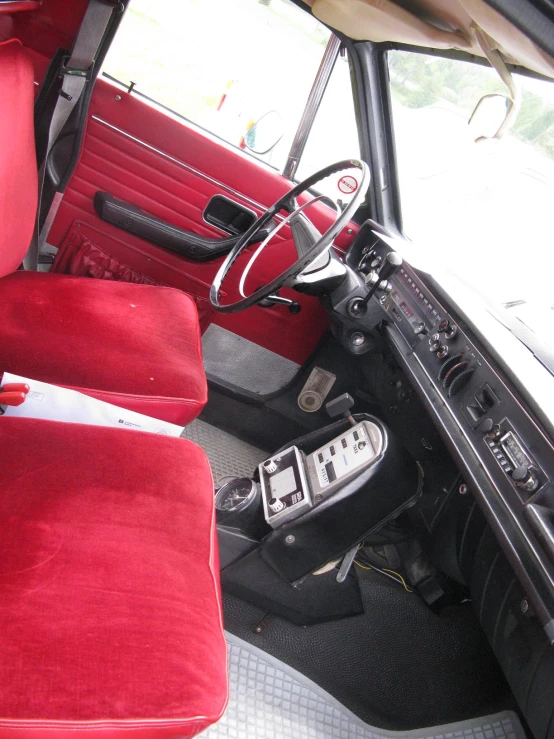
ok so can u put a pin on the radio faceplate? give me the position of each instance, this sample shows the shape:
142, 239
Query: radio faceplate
292, 482
331, 466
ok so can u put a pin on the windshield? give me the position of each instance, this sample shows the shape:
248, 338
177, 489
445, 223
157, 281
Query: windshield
483, 210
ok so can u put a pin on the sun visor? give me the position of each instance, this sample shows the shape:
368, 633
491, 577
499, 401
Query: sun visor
383, 20
439, 24
512, 43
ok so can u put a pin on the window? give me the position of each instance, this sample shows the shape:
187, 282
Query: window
334, 134
224, 65
481, 208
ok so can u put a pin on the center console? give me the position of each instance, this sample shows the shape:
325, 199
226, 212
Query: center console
293, 482
308, 505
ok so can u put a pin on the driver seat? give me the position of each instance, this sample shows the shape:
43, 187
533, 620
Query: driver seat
136, 346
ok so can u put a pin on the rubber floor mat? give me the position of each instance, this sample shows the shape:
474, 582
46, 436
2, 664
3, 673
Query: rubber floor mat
268, 699
229, 456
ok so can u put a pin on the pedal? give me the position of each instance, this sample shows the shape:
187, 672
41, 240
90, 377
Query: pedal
347, 563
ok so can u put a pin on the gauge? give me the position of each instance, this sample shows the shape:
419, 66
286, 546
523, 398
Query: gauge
236, 495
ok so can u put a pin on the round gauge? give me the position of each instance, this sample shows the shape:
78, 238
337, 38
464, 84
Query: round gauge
236, 495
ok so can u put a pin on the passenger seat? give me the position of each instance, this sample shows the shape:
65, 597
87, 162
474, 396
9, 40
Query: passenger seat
110, 608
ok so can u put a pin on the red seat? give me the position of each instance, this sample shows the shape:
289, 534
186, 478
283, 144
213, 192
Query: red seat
110, 618
136, 346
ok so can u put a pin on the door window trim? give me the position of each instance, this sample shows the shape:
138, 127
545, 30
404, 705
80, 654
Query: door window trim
304, 128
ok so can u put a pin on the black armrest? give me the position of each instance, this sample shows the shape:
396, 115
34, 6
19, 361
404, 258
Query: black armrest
136, 221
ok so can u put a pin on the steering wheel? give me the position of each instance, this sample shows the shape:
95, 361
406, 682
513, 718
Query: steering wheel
310, 244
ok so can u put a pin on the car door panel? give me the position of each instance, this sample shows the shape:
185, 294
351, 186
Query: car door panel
160, 164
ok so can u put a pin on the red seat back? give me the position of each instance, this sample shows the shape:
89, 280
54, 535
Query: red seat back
18, 167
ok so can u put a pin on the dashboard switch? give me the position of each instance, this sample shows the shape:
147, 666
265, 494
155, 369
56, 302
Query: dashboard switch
450, 332
442, 353
434, 345
420, 328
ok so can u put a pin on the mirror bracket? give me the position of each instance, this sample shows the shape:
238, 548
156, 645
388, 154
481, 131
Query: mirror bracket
490, 50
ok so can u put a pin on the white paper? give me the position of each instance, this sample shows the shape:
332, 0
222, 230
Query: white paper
53, 403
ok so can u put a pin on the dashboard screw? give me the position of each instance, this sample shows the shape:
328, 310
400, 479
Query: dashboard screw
462, 489
117, 98
290, 539
524, 605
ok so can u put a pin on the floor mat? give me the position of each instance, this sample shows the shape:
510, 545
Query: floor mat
238, 362
269, 699
397, 666
229, 456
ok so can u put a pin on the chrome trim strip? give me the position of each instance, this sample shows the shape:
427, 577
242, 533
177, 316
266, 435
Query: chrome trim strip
193, 170
312, 105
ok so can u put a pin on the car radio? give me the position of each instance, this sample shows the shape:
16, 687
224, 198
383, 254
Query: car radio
292, 482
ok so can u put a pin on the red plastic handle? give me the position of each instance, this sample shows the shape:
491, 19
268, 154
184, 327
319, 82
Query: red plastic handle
12, 398
15, 387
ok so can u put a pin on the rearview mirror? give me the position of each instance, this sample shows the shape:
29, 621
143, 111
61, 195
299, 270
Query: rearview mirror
265, 133
492, 116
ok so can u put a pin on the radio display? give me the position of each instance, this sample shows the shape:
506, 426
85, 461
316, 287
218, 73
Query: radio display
513, 450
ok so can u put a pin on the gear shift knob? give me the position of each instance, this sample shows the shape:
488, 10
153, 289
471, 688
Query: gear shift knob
340, 406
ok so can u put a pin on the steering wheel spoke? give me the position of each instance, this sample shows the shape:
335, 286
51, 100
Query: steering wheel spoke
311, 246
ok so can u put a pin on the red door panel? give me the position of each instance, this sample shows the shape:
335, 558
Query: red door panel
159, 163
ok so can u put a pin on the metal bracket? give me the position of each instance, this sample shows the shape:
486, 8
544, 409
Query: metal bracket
73, 72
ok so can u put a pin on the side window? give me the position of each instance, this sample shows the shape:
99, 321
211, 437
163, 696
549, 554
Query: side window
222, 64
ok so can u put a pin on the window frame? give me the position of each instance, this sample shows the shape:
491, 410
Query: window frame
333, 49
394, 198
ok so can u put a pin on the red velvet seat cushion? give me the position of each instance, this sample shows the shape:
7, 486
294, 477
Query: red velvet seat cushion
110, 618
137, 346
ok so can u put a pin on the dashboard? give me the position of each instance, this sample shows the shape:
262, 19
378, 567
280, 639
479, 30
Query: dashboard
505, 454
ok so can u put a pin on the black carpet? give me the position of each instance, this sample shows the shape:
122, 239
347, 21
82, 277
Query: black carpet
399, 666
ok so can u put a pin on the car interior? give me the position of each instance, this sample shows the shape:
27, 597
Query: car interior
277, 359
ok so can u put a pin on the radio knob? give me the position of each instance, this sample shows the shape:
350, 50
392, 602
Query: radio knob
524, 478
495, 433
270, 466
276, 505
486, 425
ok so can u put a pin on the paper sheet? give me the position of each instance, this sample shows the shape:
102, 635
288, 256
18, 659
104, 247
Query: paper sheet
53, 403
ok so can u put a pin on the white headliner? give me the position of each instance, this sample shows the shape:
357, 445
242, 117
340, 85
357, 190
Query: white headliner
440, 24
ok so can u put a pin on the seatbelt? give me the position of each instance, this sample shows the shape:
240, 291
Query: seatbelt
77, 70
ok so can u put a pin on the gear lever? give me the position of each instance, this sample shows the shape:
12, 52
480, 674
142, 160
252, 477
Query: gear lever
341, 407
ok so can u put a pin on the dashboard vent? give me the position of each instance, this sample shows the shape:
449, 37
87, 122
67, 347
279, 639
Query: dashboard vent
483, 401
454, 374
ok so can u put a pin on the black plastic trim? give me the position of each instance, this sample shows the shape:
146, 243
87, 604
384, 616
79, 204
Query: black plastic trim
134, 220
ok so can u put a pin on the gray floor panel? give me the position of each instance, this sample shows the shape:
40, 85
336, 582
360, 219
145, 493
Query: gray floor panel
239, 362
229, 457
269, 699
